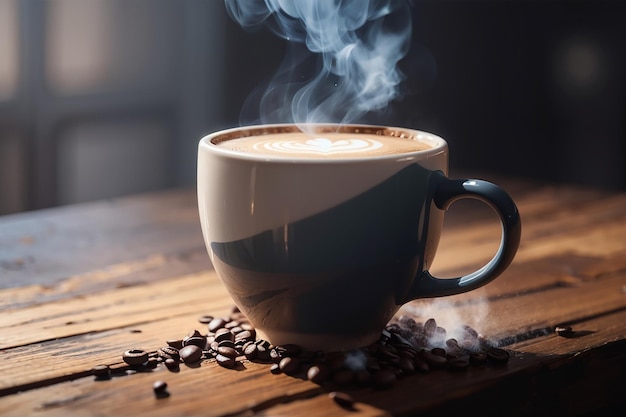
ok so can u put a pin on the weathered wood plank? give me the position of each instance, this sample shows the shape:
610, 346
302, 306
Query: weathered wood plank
210, 390
167, 310
46, 246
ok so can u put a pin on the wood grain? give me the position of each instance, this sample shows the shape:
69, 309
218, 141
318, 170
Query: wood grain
79, 285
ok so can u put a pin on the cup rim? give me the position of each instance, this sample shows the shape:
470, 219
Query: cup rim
438, 144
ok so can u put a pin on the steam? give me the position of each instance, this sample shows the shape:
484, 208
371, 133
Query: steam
342, 56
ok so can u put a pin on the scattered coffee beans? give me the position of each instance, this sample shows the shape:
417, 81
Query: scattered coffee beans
405, 347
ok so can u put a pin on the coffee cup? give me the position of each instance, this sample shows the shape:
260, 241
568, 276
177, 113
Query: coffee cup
321, 232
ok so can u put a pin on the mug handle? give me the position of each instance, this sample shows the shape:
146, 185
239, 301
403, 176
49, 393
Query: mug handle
448, 191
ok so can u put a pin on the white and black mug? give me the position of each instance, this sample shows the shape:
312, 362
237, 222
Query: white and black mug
321, 234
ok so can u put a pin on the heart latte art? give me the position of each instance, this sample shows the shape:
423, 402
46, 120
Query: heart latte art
320, 146
324, 146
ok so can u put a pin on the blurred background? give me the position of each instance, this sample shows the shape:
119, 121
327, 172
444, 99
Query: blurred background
104, 98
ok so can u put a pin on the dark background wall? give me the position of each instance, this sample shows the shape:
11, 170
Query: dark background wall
524, 88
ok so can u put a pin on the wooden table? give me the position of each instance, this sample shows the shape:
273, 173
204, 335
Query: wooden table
79, 285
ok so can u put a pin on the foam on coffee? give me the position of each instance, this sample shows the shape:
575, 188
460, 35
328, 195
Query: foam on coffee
323, 145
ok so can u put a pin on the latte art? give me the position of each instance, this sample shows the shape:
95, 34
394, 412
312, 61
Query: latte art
320, 146
328, 145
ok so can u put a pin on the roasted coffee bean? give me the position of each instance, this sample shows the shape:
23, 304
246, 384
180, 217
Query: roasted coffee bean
223, 334
227, 351
231, 324
191, 354
458, 364
171, 364
226, 343
430, 327
199, 341
478, 358
236, 330
175, 343
563, 331
383, 378
246, 335
275, 368
135, 357
152, 363
498, 355
251, 351
206, 319
216, 323
318, 373
101, 372
433, 361
407, 322
248, 326
470, 331
275, 355
167, 352
342, 399
159, 386
263, 353
225, 361
289, 365
438, 351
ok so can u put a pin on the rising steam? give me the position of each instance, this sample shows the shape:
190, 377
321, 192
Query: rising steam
342, 56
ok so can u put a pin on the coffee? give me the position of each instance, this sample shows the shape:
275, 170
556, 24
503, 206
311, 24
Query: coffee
324, 145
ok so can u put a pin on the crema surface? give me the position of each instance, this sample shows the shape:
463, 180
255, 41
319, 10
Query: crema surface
326, 145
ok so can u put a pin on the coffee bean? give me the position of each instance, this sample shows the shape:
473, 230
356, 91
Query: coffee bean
342, 399
216, 323
564, 331
497, 355
223, 334
227, 351
175, 343
159, 386
206, 319
430, 327
478, 358
135, 357
289, 365
275, 368
191, 354
433, 361
421, 365
168, 352
458, 364
231, 324
383, 378
246, 335
251, 351
171, 364
290, 350
152, 363
438, 351
101, 372
225, 361
318, 373
199, 341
